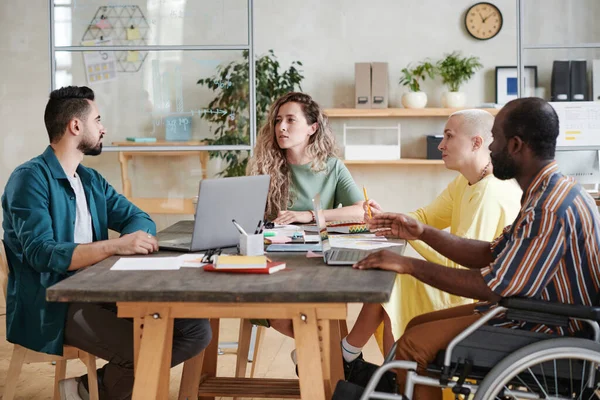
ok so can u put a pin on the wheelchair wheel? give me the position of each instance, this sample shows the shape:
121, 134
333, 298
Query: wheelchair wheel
550, 369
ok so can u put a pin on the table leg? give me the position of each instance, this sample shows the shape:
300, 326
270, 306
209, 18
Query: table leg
138, 331
190, 378
209, 366
336, 367
308, 348
204, 157
123, 159
154, 359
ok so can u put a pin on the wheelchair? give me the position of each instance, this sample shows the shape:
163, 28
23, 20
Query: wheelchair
486, 362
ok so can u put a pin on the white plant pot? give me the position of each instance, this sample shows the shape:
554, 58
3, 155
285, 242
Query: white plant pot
414, 100
454, 99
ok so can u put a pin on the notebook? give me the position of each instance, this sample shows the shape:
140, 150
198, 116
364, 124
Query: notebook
240, 262
271, 268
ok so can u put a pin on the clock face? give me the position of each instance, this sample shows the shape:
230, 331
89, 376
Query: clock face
483, 21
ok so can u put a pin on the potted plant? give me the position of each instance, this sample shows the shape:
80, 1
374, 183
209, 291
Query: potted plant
412, 77
456, 70
232, 86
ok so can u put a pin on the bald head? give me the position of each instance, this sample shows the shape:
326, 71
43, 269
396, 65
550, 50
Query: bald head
475, 122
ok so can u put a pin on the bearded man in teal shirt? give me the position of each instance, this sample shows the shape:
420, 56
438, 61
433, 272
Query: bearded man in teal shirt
56, 216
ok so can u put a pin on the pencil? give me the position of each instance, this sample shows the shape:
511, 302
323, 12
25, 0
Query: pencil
367, 201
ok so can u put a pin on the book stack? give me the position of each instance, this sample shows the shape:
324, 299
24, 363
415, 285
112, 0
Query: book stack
244, 264
341, 227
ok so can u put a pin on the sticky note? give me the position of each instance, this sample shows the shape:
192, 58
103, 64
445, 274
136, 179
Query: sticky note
133, 56
103, 24
133, 33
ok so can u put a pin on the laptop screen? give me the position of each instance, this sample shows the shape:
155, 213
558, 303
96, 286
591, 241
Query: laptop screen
321, 224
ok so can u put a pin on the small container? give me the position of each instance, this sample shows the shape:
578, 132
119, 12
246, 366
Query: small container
252, 245
433, 141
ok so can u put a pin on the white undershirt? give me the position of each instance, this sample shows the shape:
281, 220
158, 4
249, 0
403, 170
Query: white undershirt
83, 219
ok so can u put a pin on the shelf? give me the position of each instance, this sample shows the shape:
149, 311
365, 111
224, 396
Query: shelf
395, 112
562, 46
402, 161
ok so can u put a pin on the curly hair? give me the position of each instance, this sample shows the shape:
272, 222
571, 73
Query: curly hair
270, 159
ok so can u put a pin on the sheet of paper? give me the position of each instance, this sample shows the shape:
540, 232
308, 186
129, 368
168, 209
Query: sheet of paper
191, 260
133, 33
146, 264
359, 243
133, 56
311, 238
100, 66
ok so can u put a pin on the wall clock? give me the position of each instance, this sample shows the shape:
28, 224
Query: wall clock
483, 21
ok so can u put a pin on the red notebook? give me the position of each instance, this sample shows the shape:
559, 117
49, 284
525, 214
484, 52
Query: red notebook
271, 268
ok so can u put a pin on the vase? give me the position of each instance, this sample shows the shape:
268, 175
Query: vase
454, 99
414, 100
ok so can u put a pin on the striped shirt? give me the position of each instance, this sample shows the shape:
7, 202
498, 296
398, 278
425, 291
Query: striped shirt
551, 252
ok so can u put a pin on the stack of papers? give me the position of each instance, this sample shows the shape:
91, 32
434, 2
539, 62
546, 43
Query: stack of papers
158, 263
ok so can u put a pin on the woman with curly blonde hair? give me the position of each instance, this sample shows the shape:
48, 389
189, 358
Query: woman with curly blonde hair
297, 149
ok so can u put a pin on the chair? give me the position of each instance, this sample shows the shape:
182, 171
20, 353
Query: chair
500, 363
22, 355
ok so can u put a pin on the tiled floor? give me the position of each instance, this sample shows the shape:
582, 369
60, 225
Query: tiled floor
36, 380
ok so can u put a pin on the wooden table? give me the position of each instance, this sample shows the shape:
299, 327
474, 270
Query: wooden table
314, 296
159, 205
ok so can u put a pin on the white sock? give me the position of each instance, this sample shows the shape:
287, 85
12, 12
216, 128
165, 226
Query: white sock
349, 352
293, 356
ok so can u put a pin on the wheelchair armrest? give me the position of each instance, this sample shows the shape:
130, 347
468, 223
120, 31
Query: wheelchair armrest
558, 309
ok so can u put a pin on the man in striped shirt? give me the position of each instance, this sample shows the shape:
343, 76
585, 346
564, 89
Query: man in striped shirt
551, 251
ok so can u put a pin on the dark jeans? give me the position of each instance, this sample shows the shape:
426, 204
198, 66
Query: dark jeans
96, 329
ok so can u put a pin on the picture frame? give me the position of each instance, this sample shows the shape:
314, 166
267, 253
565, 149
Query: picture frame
506, 83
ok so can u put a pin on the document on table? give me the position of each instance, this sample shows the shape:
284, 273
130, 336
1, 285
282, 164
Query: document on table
360, 241
158, 263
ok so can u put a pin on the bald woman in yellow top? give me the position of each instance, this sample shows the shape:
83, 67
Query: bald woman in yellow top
475, 205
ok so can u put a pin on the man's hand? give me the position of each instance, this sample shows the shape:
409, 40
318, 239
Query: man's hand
289, 217
375, 209
385, 259
136, 243
396, 226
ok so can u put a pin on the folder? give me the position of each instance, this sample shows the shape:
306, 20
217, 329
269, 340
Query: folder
362, 85
379, 85
559, 86
596, 80
579, 82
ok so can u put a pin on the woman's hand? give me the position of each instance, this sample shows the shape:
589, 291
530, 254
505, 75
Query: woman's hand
289, 217
398, 226
375, 209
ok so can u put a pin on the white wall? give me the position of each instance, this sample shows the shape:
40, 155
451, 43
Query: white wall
327, 36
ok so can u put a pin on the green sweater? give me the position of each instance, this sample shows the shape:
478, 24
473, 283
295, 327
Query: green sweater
38, 221
335, 185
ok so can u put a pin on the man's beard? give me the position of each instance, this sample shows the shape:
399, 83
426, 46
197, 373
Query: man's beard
89, 149
504, 165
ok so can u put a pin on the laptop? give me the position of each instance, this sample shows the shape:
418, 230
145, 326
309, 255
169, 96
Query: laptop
219, 201
334, 256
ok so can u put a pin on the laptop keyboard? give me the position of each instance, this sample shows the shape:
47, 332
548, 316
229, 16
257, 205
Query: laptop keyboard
347, 255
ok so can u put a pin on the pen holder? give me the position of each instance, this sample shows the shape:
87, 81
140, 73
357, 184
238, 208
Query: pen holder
252, 245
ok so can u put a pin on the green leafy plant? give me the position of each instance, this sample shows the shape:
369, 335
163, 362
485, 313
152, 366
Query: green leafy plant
232, 104
412, 77
456, 70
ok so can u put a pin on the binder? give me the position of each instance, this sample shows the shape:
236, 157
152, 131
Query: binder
579, 82
379, 85
596, 80
560, 82
362, 85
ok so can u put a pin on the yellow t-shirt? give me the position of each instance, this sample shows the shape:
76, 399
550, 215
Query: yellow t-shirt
479, 211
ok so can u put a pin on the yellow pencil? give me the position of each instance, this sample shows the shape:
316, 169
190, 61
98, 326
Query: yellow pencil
367, 201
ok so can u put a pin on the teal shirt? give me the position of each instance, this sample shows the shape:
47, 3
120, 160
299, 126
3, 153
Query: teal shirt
335, 185
38, 220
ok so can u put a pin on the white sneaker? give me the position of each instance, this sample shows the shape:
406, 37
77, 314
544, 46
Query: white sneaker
68, 389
